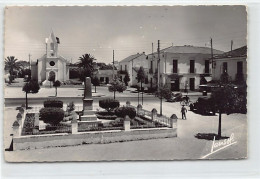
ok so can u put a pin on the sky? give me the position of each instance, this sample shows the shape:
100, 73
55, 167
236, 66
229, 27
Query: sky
126, 30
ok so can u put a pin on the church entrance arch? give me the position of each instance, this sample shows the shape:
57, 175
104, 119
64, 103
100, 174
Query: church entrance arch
51, 76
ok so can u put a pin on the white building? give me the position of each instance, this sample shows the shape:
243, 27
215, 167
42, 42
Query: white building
131, 65
234, 63
181, 66
51, 63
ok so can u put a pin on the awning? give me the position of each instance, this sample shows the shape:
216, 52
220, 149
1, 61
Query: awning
208, 78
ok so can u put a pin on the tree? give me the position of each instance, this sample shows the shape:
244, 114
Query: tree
225, 100
30, 87
225, 78
11, 64
87, 63
116, 86
83, 73
51, 77
141, 79
163, 92
95, 82
56, 84
126, 78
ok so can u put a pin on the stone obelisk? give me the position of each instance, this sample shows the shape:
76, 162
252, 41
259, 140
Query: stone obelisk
88, 114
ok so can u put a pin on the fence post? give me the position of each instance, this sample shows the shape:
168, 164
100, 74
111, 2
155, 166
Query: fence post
139, 109
127, 123
173, 121
21, 110
128, 103
19, 118
154, 114
74, 124
16, 126
36, 123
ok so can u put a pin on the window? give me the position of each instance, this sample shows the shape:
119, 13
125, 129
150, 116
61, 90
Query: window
125, 67
121, 67
225, 67
206, 66
52, 46
101, 79
192, 66
52, 63
239, 67
175, 66
151, 68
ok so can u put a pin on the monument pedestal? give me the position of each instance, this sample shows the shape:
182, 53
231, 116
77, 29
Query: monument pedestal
88, 118
88, 113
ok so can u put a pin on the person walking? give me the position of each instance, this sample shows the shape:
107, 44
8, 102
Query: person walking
183, 112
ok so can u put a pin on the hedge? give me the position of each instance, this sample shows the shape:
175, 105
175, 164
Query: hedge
109, 104
51, 115
53, 103
123, 111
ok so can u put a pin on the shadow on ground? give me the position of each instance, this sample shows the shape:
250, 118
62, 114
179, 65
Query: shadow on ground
209, 136
203, 114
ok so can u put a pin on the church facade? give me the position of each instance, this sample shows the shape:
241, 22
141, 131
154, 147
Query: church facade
50, 64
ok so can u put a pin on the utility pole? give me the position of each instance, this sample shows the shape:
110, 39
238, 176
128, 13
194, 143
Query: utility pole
29, 61
231, 46
113, 64
113, 73
158, 65
211, 46
159, 80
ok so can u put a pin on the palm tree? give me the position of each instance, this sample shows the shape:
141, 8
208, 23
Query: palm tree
11, 64
86, 62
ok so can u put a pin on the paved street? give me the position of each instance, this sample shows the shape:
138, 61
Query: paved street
185, 146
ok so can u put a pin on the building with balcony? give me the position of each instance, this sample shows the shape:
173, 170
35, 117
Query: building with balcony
234, 63
131, 66
181, 67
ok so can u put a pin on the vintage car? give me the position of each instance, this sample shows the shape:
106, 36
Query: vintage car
175, 97
203, 105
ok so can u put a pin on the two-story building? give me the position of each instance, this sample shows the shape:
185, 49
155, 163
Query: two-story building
131, 65
181, 67
233, 63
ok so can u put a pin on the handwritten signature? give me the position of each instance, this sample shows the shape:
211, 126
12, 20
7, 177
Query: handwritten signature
217, 146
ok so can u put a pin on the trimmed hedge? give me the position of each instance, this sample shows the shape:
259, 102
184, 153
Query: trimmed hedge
123, 111
51, 115
109, 104
53, 103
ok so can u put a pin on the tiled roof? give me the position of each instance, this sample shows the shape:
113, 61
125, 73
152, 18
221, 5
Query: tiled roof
131, 57
190, 49
239, 52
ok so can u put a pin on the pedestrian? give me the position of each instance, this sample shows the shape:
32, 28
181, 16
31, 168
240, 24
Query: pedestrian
183, 112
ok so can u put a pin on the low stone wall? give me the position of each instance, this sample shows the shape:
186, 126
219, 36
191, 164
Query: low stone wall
99, 137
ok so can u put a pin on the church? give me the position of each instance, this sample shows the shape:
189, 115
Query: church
50, 64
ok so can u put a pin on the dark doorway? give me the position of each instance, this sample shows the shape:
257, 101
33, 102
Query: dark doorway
175, 85
239, 67
107, 80
192, 84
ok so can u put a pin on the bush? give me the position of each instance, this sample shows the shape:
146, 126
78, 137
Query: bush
51, 115
123, 111
70, 107
109, 104
53, 103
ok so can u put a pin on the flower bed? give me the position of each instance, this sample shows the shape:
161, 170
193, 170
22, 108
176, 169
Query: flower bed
106, 115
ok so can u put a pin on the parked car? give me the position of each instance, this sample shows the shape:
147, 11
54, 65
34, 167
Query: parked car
203, 105
175, 97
